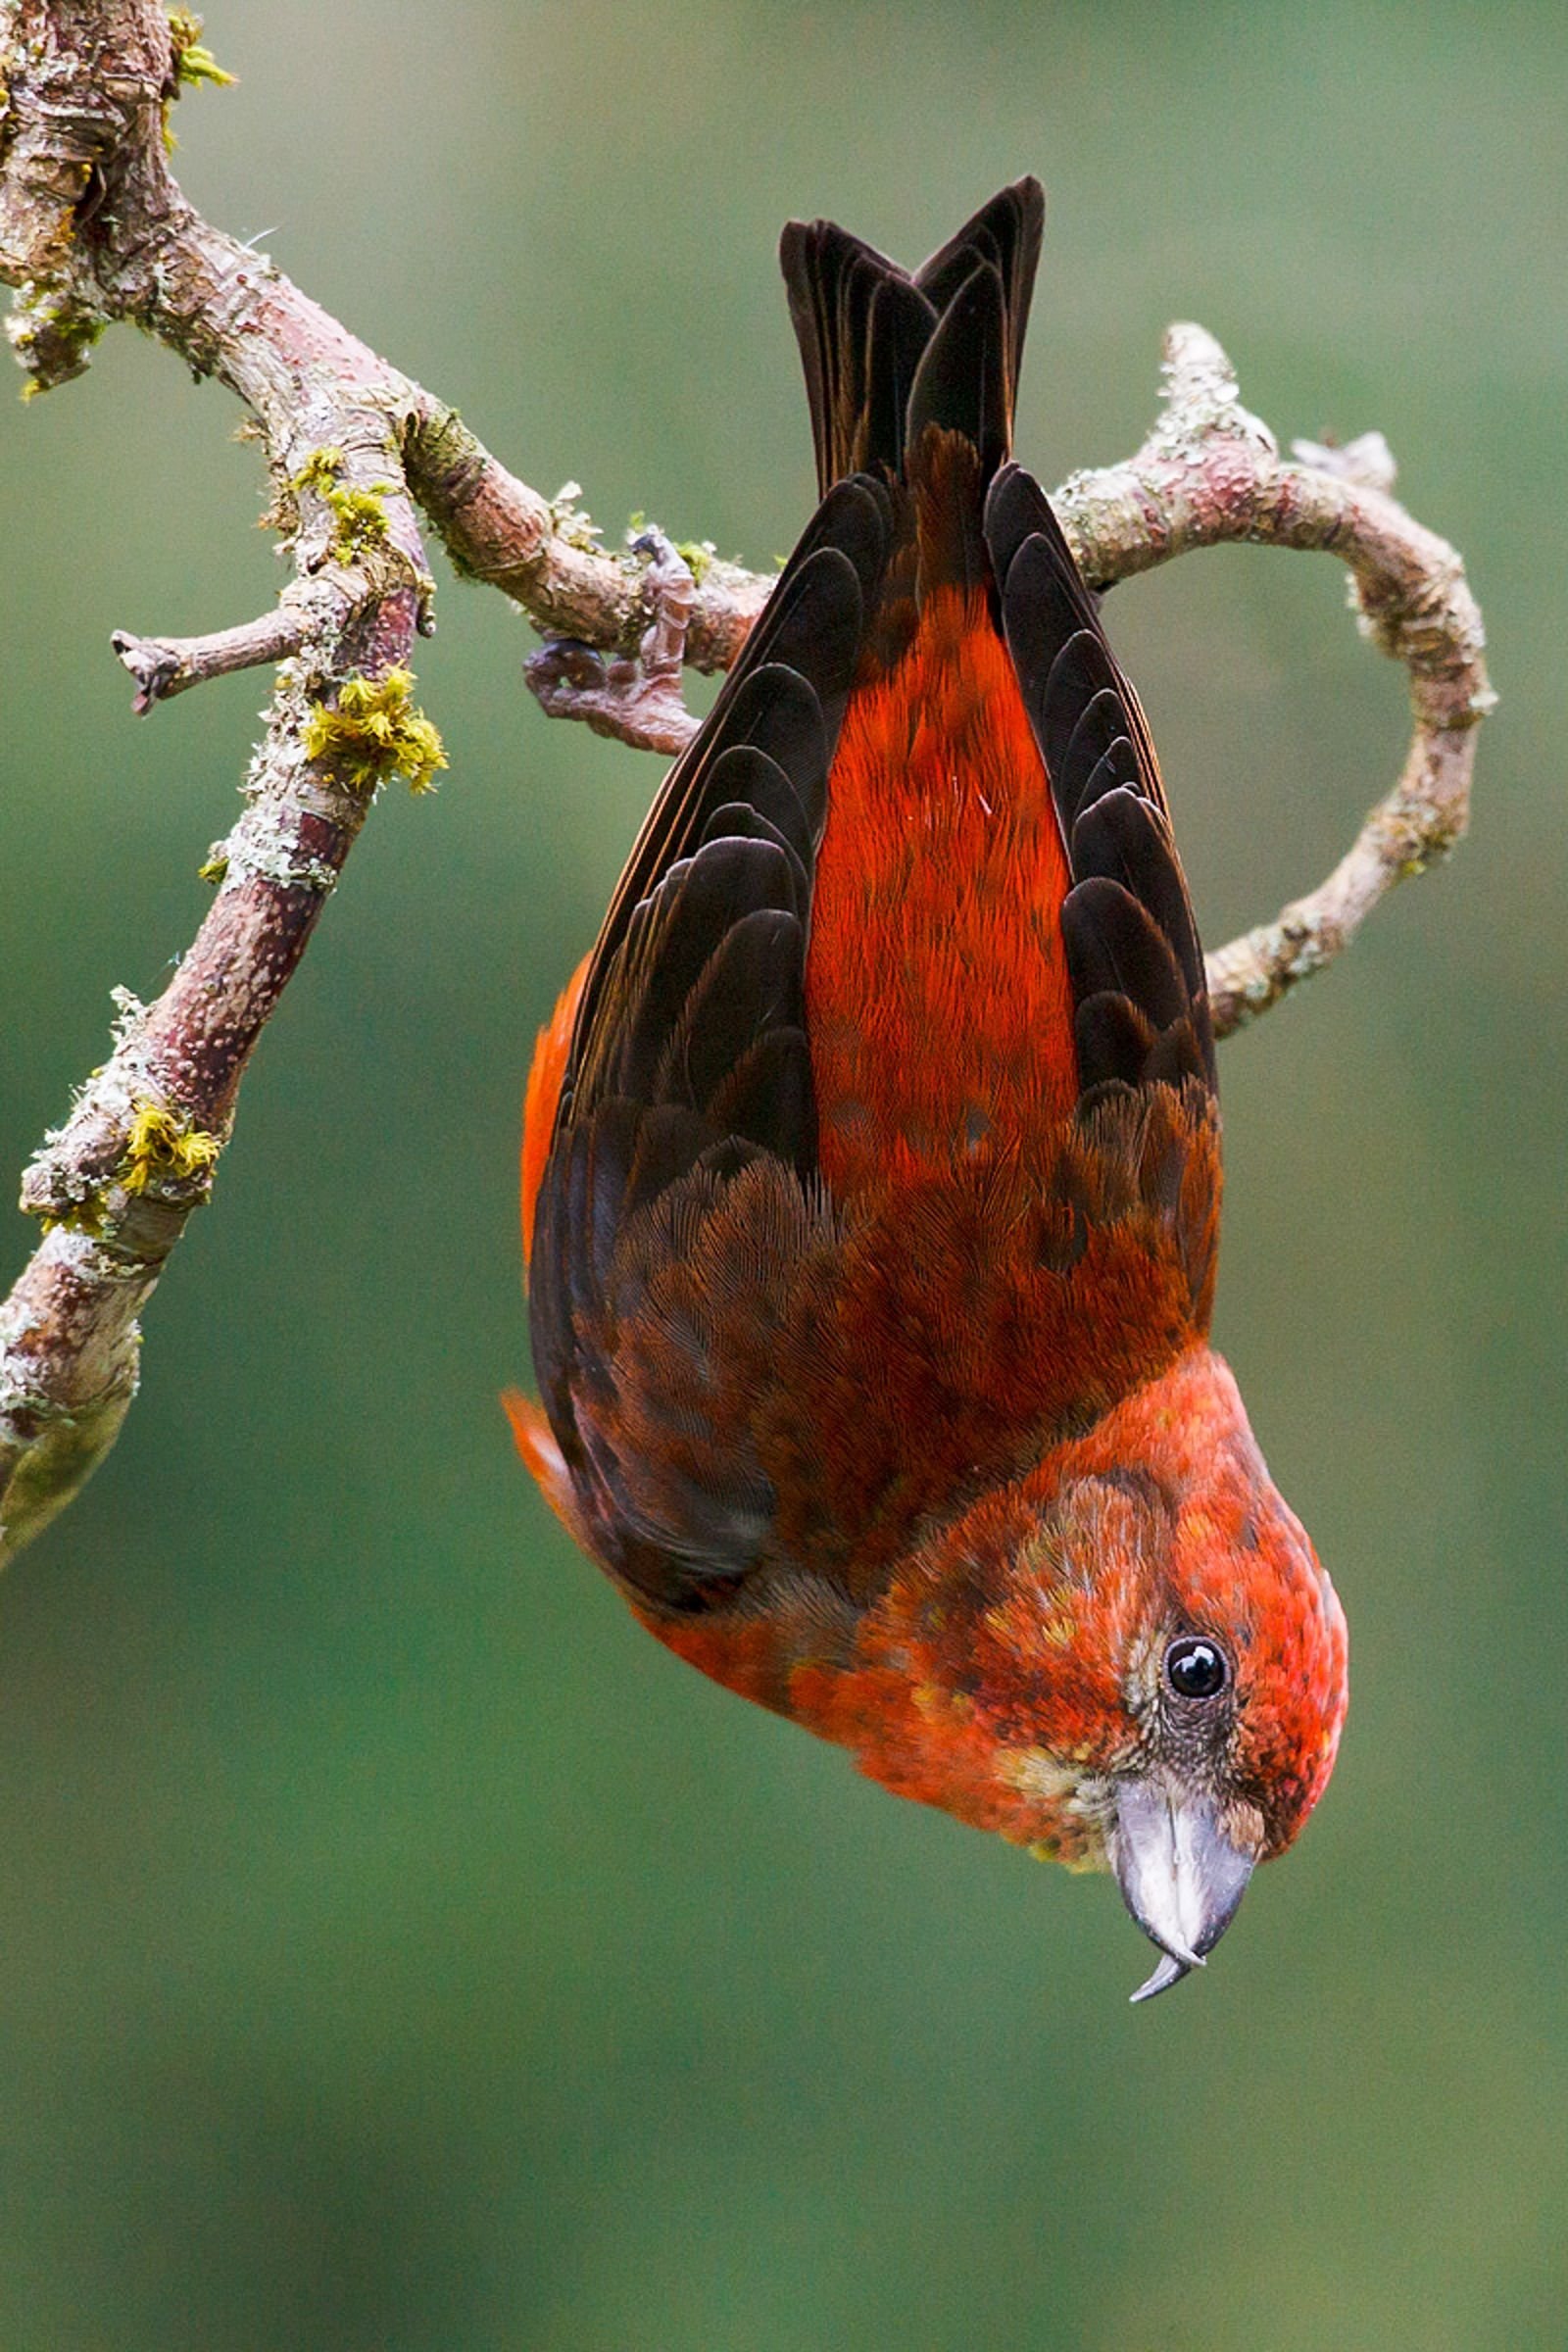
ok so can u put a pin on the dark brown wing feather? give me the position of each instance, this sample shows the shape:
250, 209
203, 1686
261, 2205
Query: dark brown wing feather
1127, 922
781, 704
689, 1066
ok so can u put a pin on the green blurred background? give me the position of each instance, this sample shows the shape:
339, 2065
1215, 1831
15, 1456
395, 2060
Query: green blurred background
400, 1953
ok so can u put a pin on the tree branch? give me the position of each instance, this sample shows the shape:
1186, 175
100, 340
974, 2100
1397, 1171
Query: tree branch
166, 665
1210, 472
92, 229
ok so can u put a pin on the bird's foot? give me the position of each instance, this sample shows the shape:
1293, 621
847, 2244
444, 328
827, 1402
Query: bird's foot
636, 699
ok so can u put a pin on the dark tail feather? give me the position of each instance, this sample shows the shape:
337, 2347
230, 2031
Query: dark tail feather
886, 353
862, 326
1005, 232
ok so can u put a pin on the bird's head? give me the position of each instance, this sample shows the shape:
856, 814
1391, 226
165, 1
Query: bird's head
1154, 1663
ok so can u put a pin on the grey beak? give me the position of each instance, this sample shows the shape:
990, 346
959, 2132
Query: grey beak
1181, 1876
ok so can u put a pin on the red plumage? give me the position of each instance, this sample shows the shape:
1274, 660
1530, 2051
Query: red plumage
871, 1172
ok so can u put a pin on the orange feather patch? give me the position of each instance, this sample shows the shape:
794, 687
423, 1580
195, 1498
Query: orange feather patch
937, 1001
545, 1079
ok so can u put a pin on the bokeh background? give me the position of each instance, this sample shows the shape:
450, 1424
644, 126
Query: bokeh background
398, 1951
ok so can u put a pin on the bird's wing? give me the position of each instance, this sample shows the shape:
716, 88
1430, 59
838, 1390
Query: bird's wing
673, 1200
671, 1143
1140, 1001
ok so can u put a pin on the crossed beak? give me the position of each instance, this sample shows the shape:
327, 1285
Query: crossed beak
1181, 1874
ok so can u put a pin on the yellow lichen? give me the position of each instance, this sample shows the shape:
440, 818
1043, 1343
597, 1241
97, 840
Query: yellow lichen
162, 1151
360, 521
377, 731
162, 1147
191, 63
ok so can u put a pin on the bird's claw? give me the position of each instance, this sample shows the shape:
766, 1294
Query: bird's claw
636, 700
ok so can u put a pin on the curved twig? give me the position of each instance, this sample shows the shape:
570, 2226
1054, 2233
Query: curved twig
1212, 472
93, 229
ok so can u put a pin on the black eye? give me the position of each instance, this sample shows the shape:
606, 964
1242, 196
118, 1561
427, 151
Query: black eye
1196, 1668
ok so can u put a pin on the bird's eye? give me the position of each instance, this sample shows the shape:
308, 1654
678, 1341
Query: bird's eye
1196, 1668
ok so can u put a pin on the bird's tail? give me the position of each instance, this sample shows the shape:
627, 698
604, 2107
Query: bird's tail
887, 355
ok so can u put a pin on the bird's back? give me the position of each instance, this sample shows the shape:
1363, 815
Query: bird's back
877, 1144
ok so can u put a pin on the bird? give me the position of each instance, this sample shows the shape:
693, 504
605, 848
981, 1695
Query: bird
871, 1172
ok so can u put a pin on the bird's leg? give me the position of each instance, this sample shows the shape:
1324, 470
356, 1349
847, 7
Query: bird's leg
637, 699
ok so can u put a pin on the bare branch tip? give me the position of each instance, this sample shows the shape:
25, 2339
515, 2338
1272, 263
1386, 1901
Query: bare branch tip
163, 666
1190, 351
1367, 461
153, 666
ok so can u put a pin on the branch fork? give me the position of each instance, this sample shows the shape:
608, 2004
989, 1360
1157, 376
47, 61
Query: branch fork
92, 229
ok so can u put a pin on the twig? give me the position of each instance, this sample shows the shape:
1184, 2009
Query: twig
544, 555
93, 229
166, 666
1210, 472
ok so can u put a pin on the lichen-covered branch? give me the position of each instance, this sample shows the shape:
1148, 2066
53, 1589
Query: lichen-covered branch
545, 553
93, 229
1212, 472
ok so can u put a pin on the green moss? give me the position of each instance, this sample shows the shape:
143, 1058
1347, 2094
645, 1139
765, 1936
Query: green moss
193, 62
360, 521
377, 731
320, 472
88, 1216
52, 340
215, 866
696, 554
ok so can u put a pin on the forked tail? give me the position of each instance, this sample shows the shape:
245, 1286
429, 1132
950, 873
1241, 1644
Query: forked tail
887, 355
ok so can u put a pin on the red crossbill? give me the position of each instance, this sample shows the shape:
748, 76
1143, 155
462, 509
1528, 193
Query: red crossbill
871, 1173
